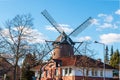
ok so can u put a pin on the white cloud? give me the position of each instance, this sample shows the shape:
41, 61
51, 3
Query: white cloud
86, 38
101, 15
106, 21
64, 27
106, 18
8, 56
50, 28
36, 36
95, 21
115, 26
5, 32
110, 38
30, 35
107, 25
117, 12
109, 18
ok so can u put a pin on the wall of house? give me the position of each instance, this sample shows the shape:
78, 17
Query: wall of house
109, 73
91, 78
8, 69
68, 73
79, 72
76, 74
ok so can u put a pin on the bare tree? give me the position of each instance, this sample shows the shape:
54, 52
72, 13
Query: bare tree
86, 61
14, 38
42, 54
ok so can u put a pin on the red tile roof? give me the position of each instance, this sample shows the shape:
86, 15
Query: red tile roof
78, 61
83, 61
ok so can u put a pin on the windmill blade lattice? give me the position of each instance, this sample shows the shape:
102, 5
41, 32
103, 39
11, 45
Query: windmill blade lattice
80, 28
52, 21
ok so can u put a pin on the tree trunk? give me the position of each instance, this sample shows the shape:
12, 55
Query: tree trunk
15, 69
15, 72
40, 73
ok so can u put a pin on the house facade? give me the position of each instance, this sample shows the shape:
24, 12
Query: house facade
7, 70
69, 70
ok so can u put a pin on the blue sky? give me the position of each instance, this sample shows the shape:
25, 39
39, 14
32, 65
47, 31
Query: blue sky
70, 14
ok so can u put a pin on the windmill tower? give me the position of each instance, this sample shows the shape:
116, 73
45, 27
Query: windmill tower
63, 45
63, 48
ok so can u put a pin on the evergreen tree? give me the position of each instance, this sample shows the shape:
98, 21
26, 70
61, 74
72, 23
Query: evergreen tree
111, 51
115, 59
106, 55
29, 62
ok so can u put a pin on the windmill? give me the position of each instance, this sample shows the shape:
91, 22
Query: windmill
63, 45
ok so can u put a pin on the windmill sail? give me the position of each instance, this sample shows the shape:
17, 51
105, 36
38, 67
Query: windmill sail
52, 21
81, 27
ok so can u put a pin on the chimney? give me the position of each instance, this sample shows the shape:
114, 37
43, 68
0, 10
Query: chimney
99, 60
